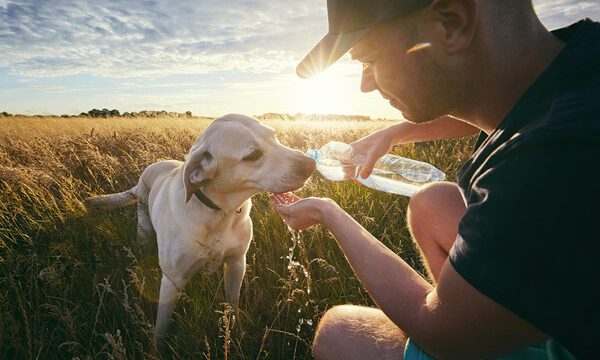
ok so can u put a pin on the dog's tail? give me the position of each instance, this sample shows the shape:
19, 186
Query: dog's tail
113, 201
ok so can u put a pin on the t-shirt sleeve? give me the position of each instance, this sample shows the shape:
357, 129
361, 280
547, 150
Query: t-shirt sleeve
531, 230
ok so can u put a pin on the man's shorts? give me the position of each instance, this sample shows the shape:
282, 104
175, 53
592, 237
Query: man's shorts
549, 350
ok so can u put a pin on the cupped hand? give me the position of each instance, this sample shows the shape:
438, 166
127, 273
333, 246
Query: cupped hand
298, 213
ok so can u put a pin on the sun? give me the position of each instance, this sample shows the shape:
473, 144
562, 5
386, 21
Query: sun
327, 92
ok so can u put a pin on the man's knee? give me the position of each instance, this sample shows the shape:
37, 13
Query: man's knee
436, 200
357, 332
428, 198
331, 332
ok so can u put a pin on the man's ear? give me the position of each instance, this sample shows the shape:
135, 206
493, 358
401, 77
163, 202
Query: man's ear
456, 23
200, 166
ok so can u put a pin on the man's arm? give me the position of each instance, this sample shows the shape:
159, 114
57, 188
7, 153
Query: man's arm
452, 320
377, 144
443, 128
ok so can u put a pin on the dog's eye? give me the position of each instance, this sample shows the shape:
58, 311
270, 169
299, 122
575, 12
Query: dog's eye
255, 155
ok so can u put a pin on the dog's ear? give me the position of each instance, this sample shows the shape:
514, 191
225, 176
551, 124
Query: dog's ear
200, 166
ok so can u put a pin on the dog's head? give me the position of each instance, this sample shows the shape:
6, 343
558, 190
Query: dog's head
239, 154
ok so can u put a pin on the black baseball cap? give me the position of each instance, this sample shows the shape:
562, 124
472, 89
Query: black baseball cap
349, 21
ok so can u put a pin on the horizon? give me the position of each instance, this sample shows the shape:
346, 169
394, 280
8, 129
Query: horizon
106, 113
65, 58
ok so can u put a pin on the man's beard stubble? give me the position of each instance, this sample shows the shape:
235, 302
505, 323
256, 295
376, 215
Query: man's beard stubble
444, 89
444, 93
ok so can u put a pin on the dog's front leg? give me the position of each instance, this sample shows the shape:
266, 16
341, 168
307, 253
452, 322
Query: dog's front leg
234, 270
169, 293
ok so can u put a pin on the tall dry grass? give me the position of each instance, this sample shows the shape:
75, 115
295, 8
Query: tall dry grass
72, 286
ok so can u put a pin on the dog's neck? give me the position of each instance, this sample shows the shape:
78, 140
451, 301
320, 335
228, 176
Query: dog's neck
205, 200
222, 202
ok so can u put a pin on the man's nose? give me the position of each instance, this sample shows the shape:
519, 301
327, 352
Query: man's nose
367, 82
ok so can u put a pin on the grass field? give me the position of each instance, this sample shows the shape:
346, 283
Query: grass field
71, 285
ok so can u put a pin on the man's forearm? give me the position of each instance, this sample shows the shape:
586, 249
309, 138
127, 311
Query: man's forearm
443, 128
398, 290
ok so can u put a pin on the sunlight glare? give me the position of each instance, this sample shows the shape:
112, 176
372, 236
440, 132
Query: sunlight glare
327, 92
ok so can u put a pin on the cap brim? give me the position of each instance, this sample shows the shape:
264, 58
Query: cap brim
327, 51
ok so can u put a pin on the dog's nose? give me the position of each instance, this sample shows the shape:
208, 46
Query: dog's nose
306, 166
312, 164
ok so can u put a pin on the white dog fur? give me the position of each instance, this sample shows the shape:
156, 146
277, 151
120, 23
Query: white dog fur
234, 158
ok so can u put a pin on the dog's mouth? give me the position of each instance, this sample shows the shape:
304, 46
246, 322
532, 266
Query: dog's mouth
295, 178
290, 183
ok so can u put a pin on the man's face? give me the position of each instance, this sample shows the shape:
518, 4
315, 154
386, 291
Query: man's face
411, 80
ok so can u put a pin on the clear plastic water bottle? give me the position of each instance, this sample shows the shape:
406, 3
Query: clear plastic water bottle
392, 173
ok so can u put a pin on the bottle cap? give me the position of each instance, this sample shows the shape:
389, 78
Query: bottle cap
313, 153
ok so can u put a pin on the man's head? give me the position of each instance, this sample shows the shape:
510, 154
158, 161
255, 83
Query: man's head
349, 21
425, 57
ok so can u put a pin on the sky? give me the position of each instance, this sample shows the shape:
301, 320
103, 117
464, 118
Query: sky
210, 57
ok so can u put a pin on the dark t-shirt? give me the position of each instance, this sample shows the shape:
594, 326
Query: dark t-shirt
530, 237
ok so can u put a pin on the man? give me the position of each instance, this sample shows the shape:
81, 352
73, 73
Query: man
511, 245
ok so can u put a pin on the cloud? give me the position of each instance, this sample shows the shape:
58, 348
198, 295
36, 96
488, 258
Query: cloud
559, 13
155, 38
207, 56
124, 38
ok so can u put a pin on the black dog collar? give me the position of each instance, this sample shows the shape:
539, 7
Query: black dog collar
205, 200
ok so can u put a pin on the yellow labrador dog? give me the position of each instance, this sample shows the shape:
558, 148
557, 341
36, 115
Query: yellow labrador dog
199, 209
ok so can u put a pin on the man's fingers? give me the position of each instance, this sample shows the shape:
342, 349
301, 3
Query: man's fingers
279, 206
367, 166
283, 210
365, 171
276, 204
